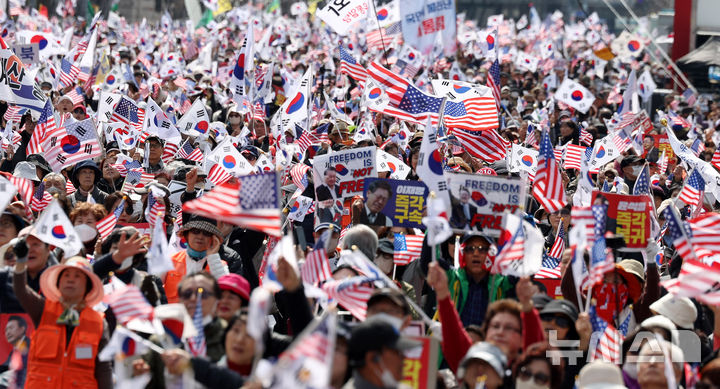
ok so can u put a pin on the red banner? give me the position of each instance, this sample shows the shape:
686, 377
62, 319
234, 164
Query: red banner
628, 216
420, 366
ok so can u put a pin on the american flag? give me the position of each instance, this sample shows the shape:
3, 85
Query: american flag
677, 120
416, 102
154, 211
486, 145
188, 152
68, 73
184, 104
407, 248
313, 137
573, 156
14, 113
715, 160
601, 261
351, 293
316, 267
107, 224
129, 303
548, 188
476, 113
218, 175
642, 184
696, 280
76, 95
622, 140
126, 112
697, 147
585, 136
135, 179
558, 246
493, 81
609, 344
377, 39
252, 203
197, 344
169, 150
69, 187
349, 66
45, 128
549, 268
512, 251
395, 86
530, 137
583, 216
680, 234
41, 199
298, 173
693, 191
704, 235
78, 143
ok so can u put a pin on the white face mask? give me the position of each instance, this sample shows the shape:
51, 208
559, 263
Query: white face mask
85, 232
126, 263
388, 380
529, 384
234, 120
636, 170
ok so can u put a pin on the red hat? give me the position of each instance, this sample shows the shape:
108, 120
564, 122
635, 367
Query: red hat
236, 284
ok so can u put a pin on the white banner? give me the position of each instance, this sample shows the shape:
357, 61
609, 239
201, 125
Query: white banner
422, 20
340, 15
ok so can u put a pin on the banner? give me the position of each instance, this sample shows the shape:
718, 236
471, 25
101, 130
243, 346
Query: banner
343, 173
18, 330
422, 20
396, 203
340, 15
662, 143
28, 52
480, 202
628, 216
420, 364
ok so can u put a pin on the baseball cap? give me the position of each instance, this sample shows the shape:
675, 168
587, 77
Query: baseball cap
394, 295
563, 307
630, 159
486, 352
386, 246
600, 375
374, 334
236, 284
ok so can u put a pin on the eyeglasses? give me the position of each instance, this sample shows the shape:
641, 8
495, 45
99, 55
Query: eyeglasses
479, 249
540, 378
199, 231
560, 321
501, 328
190, 293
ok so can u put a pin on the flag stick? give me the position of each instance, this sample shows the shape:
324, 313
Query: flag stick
587, 300
382, 39
142, 340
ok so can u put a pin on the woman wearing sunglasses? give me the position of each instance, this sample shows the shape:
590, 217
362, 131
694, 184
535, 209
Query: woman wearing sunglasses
561, 321
535, 370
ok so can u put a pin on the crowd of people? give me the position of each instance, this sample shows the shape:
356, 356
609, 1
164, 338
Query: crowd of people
143, 264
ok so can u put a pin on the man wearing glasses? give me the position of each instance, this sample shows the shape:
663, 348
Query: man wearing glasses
472, 287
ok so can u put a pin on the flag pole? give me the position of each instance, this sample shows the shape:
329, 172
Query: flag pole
382, 39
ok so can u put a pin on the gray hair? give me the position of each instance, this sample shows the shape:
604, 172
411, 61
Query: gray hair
364, 238
54, 175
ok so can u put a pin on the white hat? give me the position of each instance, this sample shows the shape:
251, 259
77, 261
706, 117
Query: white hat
680, 310
658, 321
600, 375
27, 170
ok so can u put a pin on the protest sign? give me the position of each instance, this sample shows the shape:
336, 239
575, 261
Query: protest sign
420, 365
662, 143
28, 52
343, 173
395, 203
642, 122
13, 323
340, 15
422, 20
628, 216
481, 202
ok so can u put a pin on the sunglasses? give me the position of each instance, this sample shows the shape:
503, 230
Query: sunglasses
199, 231
540, 378
479, 249
560, 321
190, 293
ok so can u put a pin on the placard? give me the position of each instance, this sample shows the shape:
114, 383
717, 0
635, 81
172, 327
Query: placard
480, 202
627, 216
394, 203
343, 173
15, 334
420, 365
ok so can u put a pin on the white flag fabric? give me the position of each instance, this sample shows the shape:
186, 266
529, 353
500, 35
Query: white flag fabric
53, 227
158, 123
550, 82
532, 248
387, 14
575, 95
242, 65
645, 85
159, 256
341, 15
295, 109
388, 163
299, 208
627, 45
436, 221
605, 151
227, 156
430, 165
527, 61
7, 192
629, 103
196, 121
522, 159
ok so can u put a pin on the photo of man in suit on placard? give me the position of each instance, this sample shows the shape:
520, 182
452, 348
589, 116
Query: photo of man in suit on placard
378, 195
328, 190
462, 211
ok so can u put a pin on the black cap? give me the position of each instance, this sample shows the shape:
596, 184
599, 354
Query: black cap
540, 301
393, 295
112, 145
154, 137
386, 246
39, 161
252, 150
630, 159
374, 334
564, 307
472, 234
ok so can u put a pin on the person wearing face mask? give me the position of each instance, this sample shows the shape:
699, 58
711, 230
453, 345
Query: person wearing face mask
535, 368
376, 354
631, 167
84, 217
203, 243
235, 125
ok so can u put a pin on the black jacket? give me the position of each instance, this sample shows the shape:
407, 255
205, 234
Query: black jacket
322, 192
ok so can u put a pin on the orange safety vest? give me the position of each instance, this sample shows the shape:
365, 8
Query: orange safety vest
52, 365
173, 277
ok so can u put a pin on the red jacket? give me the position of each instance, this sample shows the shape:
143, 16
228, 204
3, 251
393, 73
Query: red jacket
456, 341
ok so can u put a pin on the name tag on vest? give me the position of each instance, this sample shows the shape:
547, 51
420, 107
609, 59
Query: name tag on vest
83, 351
